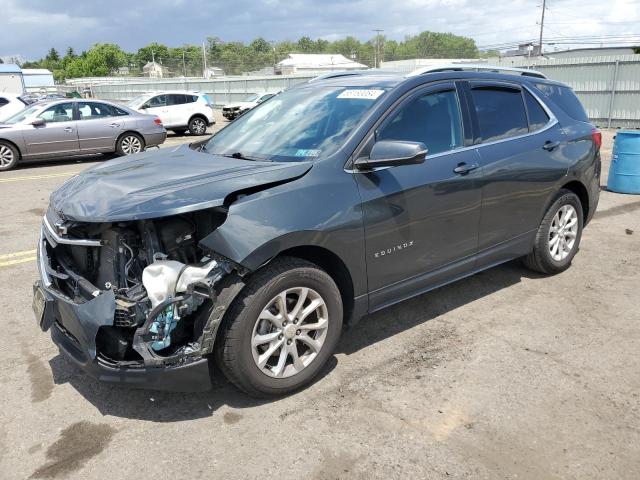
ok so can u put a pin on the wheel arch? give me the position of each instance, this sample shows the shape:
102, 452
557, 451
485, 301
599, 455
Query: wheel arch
130, 131
582, 193
198, 115
333, 265
575, 186
14, 145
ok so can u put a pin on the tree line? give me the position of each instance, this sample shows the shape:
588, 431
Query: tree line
235, 58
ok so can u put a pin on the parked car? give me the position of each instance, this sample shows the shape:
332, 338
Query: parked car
180, 111
11, 104
338, 198
62, 128
234, 110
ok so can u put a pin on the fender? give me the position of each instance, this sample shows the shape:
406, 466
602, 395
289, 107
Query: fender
260, 226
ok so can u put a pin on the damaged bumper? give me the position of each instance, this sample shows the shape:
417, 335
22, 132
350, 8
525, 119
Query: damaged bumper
74, 329
87, 331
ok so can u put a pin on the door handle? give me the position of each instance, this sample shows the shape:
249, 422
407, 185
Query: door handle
68, 129
114, 125
463, 168
549, 145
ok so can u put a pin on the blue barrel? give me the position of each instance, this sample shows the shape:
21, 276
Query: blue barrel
624, 173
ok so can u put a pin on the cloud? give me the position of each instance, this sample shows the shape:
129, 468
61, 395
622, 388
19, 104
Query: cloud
31, 27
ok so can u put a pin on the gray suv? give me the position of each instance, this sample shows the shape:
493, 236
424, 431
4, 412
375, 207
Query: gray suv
61, 128
332, 200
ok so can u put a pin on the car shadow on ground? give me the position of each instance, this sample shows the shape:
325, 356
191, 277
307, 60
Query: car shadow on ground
81, 160
174, 407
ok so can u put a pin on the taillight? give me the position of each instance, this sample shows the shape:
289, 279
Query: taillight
597, 138
157, 121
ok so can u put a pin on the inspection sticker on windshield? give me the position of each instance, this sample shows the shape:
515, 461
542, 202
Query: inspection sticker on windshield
366, 94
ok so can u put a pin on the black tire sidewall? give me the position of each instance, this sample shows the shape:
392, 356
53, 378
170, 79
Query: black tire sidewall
16, 156
247, 370
565, 198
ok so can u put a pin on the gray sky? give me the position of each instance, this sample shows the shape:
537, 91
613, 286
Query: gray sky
30, 27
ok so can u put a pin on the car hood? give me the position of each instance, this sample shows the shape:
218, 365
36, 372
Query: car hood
163, 182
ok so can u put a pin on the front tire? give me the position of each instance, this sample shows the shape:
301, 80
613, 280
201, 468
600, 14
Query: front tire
558, 237
129, 144
9, 156
197, 126
281, 329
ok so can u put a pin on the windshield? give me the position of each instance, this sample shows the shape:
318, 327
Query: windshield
297, 125
251, 98
139, 99
22, 115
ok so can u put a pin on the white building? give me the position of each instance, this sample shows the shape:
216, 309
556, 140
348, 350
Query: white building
213, 72
312, 63
408, 66
154, 70
11, 80
38, 80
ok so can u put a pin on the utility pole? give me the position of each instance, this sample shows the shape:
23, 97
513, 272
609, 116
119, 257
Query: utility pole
184, 65
544, 7
204, 61
376, 54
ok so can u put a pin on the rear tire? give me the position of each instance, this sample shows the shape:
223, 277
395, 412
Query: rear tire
129, 144
9, 156
558, 238
267, 345
197, 126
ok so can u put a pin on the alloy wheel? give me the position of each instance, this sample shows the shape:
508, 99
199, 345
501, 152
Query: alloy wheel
563, 232
6, 156
290, 332
131, 144
199, 126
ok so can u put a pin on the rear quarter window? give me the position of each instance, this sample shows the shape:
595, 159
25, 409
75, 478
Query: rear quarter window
500, 112
566, 99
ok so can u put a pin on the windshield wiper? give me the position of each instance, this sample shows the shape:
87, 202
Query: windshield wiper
242, 156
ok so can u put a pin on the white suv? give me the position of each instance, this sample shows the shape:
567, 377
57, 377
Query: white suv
10, 103
179, 111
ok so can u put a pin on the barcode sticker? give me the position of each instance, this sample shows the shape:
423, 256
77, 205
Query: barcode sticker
361, 93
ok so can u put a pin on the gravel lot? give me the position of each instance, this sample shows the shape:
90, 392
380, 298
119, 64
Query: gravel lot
503, 375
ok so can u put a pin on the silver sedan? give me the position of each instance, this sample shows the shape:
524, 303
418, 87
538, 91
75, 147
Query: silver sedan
62, 128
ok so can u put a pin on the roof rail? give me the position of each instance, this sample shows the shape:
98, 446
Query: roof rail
348, 73
473, 67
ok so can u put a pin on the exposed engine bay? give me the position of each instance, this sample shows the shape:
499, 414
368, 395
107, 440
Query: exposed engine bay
164, 283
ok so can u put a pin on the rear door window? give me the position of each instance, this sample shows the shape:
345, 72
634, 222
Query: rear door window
500, 111
538, 118
176, 99
91, 110
566, 99
3, 101
433, 119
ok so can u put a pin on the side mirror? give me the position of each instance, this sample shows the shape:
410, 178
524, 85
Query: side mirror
391, 153
38, 122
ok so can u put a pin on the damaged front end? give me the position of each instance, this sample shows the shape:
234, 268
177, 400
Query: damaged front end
135, 302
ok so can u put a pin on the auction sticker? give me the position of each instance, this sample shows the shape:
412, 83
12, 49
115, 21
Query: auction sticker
307, 153
366, 94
